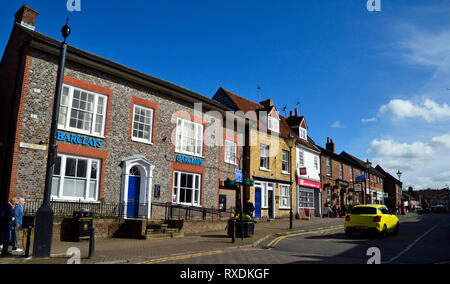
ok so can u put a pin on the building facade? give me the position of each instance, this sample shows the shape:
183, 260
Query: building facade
124, 137
269, 161
393, 190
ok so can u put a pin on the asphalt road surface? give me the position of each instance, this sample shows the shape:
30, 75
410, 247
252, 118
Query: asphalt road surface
423, 239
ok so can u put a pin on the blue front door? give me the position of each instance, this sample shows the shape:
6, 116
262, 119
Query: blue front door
134, 186
257, 202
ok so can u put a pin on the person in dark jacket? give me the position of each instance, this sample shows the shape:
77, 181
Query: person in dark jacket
249, 208
6, 219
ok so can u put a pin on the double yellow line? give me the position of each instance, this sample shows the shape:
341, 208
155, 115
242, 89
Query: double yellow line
275, 242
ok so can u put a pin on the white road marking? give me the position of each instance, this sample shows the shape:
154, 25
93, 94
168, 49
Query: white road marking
411, 245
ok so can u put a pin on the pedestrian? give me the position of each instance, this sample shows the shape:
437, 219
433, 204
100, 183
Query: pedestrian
18, 215
6, 219
249, 208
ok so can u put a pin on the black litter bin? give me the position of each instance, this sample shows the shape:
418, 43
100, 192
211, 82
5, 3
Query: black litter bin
82, 225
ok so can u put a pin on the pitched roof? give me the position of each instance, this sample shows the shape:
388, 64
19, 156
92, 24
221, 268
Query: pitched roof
362, 164
51, 42
246, 105
381, 170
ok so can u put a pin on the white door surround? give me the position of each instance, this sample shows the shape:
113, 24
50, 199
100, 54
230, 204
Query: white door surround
145, 195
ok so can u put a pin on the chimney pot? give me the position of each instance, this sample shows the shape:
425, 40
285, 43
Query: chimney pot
26, 17
292, 114
296, 112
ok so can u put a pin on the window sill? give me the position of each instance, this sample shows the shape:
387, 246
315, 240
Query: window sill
141, 141
286, 173
284, 208
75, 201
232, 164
190, 154
79, 132
264, 170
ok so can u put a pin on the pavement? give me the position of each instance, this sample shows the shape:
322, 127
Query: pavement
118, 251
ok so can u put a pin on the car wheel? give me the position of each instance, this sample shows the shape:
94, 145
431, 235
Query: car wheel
348, 233
397, 228
383, 233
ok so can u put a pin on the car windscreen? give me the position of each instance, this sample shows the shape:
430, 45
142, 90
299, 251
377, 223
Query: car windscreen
363, 210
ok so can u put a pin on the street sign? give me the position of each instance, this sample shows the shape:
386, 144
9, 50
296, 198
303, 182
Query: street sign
361, 177
239, 176
358, 187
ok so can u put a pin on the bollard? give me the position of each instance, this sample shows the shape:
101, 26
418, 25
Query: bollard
233, 236
27, 249
92, 242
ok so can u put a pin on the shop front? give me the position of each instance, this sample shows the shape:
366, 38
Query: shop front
309, 198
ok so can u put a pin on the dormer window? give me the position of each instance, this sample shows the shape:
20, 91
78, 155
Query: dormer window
274, 124
303, 134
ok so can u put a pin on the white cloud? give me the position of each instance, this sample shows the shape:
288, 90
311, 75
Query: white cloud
368, 120
337, 124
443, 140
424, 164
429, 110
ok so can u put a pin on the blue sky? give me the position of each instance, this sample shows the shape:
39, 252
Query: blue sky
342, 62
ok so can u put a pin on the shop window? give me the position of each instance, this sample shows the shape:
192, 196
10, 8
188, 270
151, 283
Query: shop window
285, 197
75, 178
306, 199
186, 188
82, 111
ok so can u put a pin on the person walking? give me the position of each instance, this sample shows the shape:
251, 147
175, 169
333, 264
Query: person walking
6, 219
18, 215
249, 208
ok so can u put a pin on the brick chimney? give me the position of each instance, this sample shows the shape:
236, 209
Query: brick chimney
330, 145
26, 17
267, 103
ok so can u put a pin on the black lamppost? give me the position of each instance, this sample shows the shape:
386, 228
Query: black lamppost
291, 143
44, 216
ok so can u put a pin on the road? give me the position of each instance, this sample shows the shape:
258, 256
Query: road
422, 240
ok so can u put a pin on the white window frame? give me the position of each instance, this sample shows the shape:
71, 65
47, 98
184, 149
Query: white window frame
341, 171
198, 138
301, 158
351, 174
196, 188
66, 124
285, 197
264, 154
137, 139
273, 124
229, 152
316, 162
303, 133
62, 177
284, 162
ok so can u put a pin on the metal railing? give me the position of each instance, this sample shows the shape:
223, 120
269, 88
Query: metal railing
123, 210
187, 213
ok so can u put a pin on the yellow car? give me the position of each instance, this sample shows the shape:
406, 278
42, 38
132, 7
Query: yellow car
371, 218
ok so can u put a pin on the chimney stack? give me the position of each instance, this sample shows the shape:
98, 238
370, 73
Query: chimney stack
267, 103
330, 145
26, 17
292, 114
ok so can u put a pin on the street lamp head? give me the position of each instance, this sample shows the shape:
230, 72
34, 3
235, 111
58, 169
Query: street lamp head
368, 164
291, 141
66, 30
399, 173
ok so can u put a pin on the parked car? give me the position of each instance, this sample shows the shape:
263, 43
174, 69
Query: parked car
439, 209
419, 210
372, 219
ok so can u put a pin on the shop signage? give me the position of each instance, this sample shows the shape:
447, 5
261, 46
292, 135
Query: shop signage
358, 187
343, 183
79, 140
239, 176
189, 160
308, 183
302, 171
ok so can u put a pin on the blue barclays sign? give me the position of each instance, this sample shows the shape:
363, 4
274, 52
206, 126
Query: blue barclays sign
189, 160
79, 140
